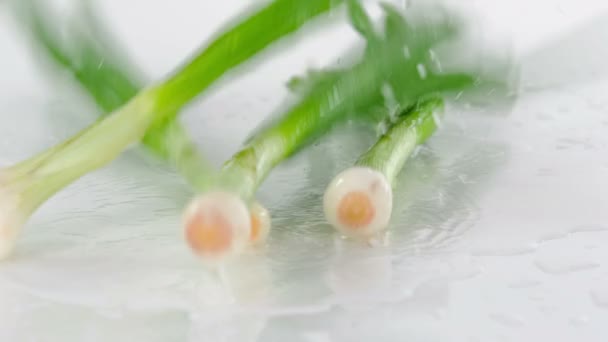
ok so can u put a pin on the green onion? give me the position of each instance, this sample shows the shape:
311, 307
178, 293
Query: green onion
358, 201
330, 99
27, 185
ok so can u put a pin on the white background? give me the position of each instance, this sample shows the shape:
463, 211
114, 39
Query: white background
500, 224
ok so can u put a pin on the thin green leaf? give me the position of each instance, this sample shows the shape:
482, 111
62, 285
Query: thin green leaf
361, 22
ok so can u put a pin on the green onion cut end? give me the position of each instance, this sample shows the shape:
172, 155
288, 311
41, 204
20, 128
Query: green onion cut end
217, 226
358, 202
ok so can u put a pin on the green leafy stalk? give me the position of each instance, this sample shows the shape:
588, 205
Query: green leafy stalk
390, 152
341, 95
358, 202
111, 81
91, 58
30, 183
251, 36
276, 20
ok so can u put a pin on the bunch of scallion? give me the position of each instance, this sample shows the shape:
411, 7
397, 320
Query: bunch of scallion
146, 114
221, 219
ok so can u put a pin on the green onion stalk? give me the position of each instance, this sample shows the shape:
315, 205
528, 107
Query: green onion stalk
28, 184
111, 83
358, 201
332, 99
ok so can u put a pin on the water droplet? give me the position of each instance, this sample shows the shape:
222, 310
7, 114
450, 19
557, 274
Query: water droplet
334, 98
507, 320
523, 250
435, 60
589, 228
558, 268
440, 198
591, 247
464, 179
547, 309
421, 71
381, 128
600, 298
437, 119
316, 337
544, 117
440, 313
545, 172
580, 320
406, 52
390, 101
525, 284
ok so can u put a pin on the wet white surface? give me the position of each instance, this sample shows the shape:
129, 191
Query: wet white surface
498, 234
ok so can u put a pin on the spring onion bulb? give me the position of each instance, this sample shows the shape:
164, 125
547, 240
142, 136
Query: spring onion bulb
358, 202
217, 225
27, 185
